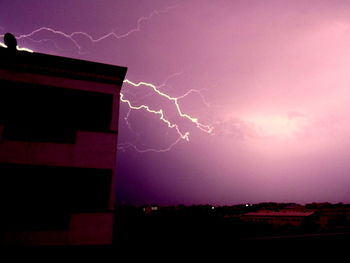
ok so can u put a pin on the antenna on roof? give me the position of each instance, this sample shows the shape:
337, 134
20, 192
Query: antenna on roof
10, 41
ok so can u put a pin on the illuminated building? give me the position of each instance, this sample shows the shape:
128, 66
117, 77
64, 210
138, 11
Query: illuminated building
58, 138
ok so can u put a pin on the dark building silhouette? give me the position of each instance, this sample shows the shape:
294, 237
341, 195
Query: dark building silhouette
278, 218
58, 138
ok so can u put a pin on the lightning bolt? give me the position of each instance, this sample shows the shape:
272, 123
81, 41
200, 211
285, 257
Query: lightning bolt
124, 146
73, 35
128, 124
182, 135
160, 112
205, 128
18, 48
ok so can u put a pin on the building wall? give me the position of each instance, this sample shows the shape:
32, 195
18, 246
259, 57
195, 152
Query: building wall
91, 150
85, 150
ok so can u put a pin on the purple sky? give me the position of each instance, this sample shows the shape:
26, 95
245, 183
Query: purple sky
272, 79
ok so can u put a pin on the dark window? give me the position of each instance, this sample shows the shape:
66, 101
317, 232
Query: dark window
49, 114
43, 197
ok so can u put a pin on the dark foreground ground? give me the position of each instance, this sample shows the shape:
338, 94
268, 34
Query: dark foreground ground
200, 235
190, 246
207, 235
184, 247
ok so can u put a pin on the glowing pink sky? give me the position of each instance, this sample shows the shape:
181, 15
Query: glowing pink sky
275, 86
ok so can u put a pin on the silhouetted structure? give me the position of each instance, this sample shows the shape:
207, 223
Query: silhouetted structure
58, 142
278, 218
10, 42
